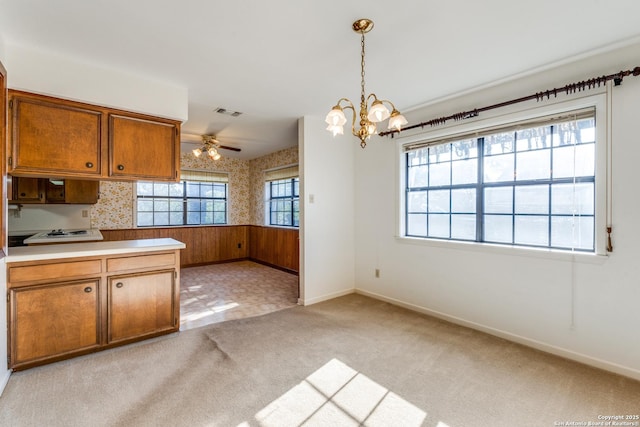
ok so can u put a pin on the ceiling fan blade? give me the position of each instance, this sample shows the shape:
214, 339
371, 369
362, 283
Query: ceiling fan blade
226, 147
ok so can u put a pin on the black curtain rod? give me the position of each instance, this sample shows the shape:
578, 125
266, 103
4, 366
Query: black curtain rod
538, 96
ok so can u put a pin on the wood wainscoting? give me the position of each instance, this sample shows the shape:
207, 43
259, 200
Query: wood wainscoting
273, 246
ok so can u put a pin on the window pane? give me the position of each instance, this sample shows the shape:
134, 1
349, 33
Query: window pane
498, 199
193, 218
498, 228
531, 230
533, 165
464, 149
417, 157
219, 218
145, 219
439, 201
440, 153
499, 168
464, 171
193, 189
193, 205
572, 232
175, 218
219, 206
533, 139
499, 143
176, 189
145, 188
160, 189
439, 225
418, 176
440, 174
161, 205
417, 201
145, 205
463, 200
532, 199
206, 190
417, 225
463, 227
176, 205
578, 159
220, 191
570, 199
161, 218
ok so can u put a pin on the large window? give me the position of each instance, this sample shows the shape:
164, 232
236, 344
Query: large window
527, 185
200, 198
282, 190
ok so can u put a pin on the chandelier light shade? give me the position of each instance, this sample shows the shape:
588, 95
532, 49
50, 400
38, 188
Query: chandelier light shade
210, 146
369, 115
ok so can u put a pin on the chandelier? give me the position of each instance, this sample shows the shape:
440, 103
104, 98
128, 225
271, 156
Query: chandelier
210, 146
369, 114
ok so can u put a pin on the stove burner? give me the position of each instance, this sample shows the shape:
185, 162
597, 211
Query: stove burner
61, 232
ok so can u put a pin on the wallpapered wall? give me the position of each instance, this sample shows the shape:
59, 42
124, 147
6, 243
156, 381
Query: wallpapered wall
245, 199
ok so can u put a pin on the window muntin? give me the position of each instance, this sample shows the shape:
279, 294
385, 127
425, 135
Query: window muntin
284, 202
161, 204
532, 186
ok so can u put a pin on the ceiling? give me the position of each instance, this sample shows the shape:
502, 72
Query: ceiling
276, 61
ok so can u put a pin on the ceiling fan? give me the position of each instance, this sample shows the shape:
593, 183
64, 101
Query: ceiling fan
211, 145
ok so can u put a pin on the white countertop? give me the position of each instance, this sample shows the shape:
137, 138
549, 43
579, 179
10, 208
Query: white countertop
73, 250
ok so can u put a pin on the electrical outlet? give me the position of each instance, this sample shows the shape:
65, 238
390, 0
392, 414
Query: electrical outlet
377, 273
239, 245
85, 213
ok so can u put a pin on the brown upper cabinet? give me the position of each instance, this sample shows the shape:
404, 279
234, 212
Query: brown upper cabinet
66, 139
25, 190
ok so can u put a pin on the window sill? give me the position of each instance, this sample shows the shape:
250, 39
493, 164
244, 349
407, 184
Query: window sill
553, 254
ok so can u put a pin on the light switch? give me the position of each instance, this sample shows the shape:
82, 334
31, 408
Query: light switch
312, 198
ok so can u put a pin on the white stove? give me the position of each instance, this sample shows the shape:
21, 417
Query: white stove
65, 236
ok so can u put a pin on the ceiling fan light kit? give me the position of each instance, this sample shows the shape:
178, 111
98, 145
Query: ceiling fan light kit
369, 115
210, 146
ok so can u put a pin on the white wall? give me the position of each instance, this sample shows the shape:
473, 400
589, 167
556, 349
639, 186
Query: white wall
48, 217
327, 223
43, 72
4, 372
587, 311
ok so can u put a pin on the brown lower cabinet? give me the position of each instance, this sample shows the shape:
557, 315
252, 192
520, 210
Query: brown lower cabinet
63, 308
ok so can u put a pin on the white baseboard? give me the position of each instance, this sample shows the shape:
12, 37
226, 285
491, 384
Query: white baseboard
4, 379
328, 296
558, 351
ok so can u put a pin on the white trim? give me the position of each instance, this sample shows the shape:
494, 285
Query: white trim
328, 296
281, 167
4, 380
539, 345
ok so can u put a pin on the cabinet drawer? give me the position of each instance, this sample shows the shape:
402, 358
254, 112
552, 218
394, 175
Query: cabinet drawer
142, 261
57, 270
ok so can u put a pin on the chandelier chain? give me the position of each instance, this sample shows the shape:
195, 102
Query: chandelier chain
362, 92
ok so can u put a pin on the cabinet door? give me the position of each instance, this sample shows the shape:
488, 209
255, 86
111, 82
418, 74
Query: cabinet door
54, 190
143, 149
27, 190
81, 192
51, 138
53, 320
141, 304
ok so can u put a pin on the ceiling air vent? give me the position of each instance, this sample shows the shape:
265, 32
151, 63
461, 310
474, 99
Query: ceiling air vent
227, 112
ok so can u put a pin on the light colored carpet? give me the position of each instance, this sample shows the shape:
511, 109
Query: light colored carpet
348, 361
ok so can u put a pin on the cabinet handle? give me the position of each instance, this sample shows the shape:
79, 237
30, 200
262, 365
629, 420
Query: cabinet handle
119, 285
89, 164
88, 289
120, 167
23, 194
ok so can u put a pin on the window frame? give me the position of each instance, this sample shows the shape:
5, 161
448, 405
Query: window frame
185, 200
512, 116
270, 199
